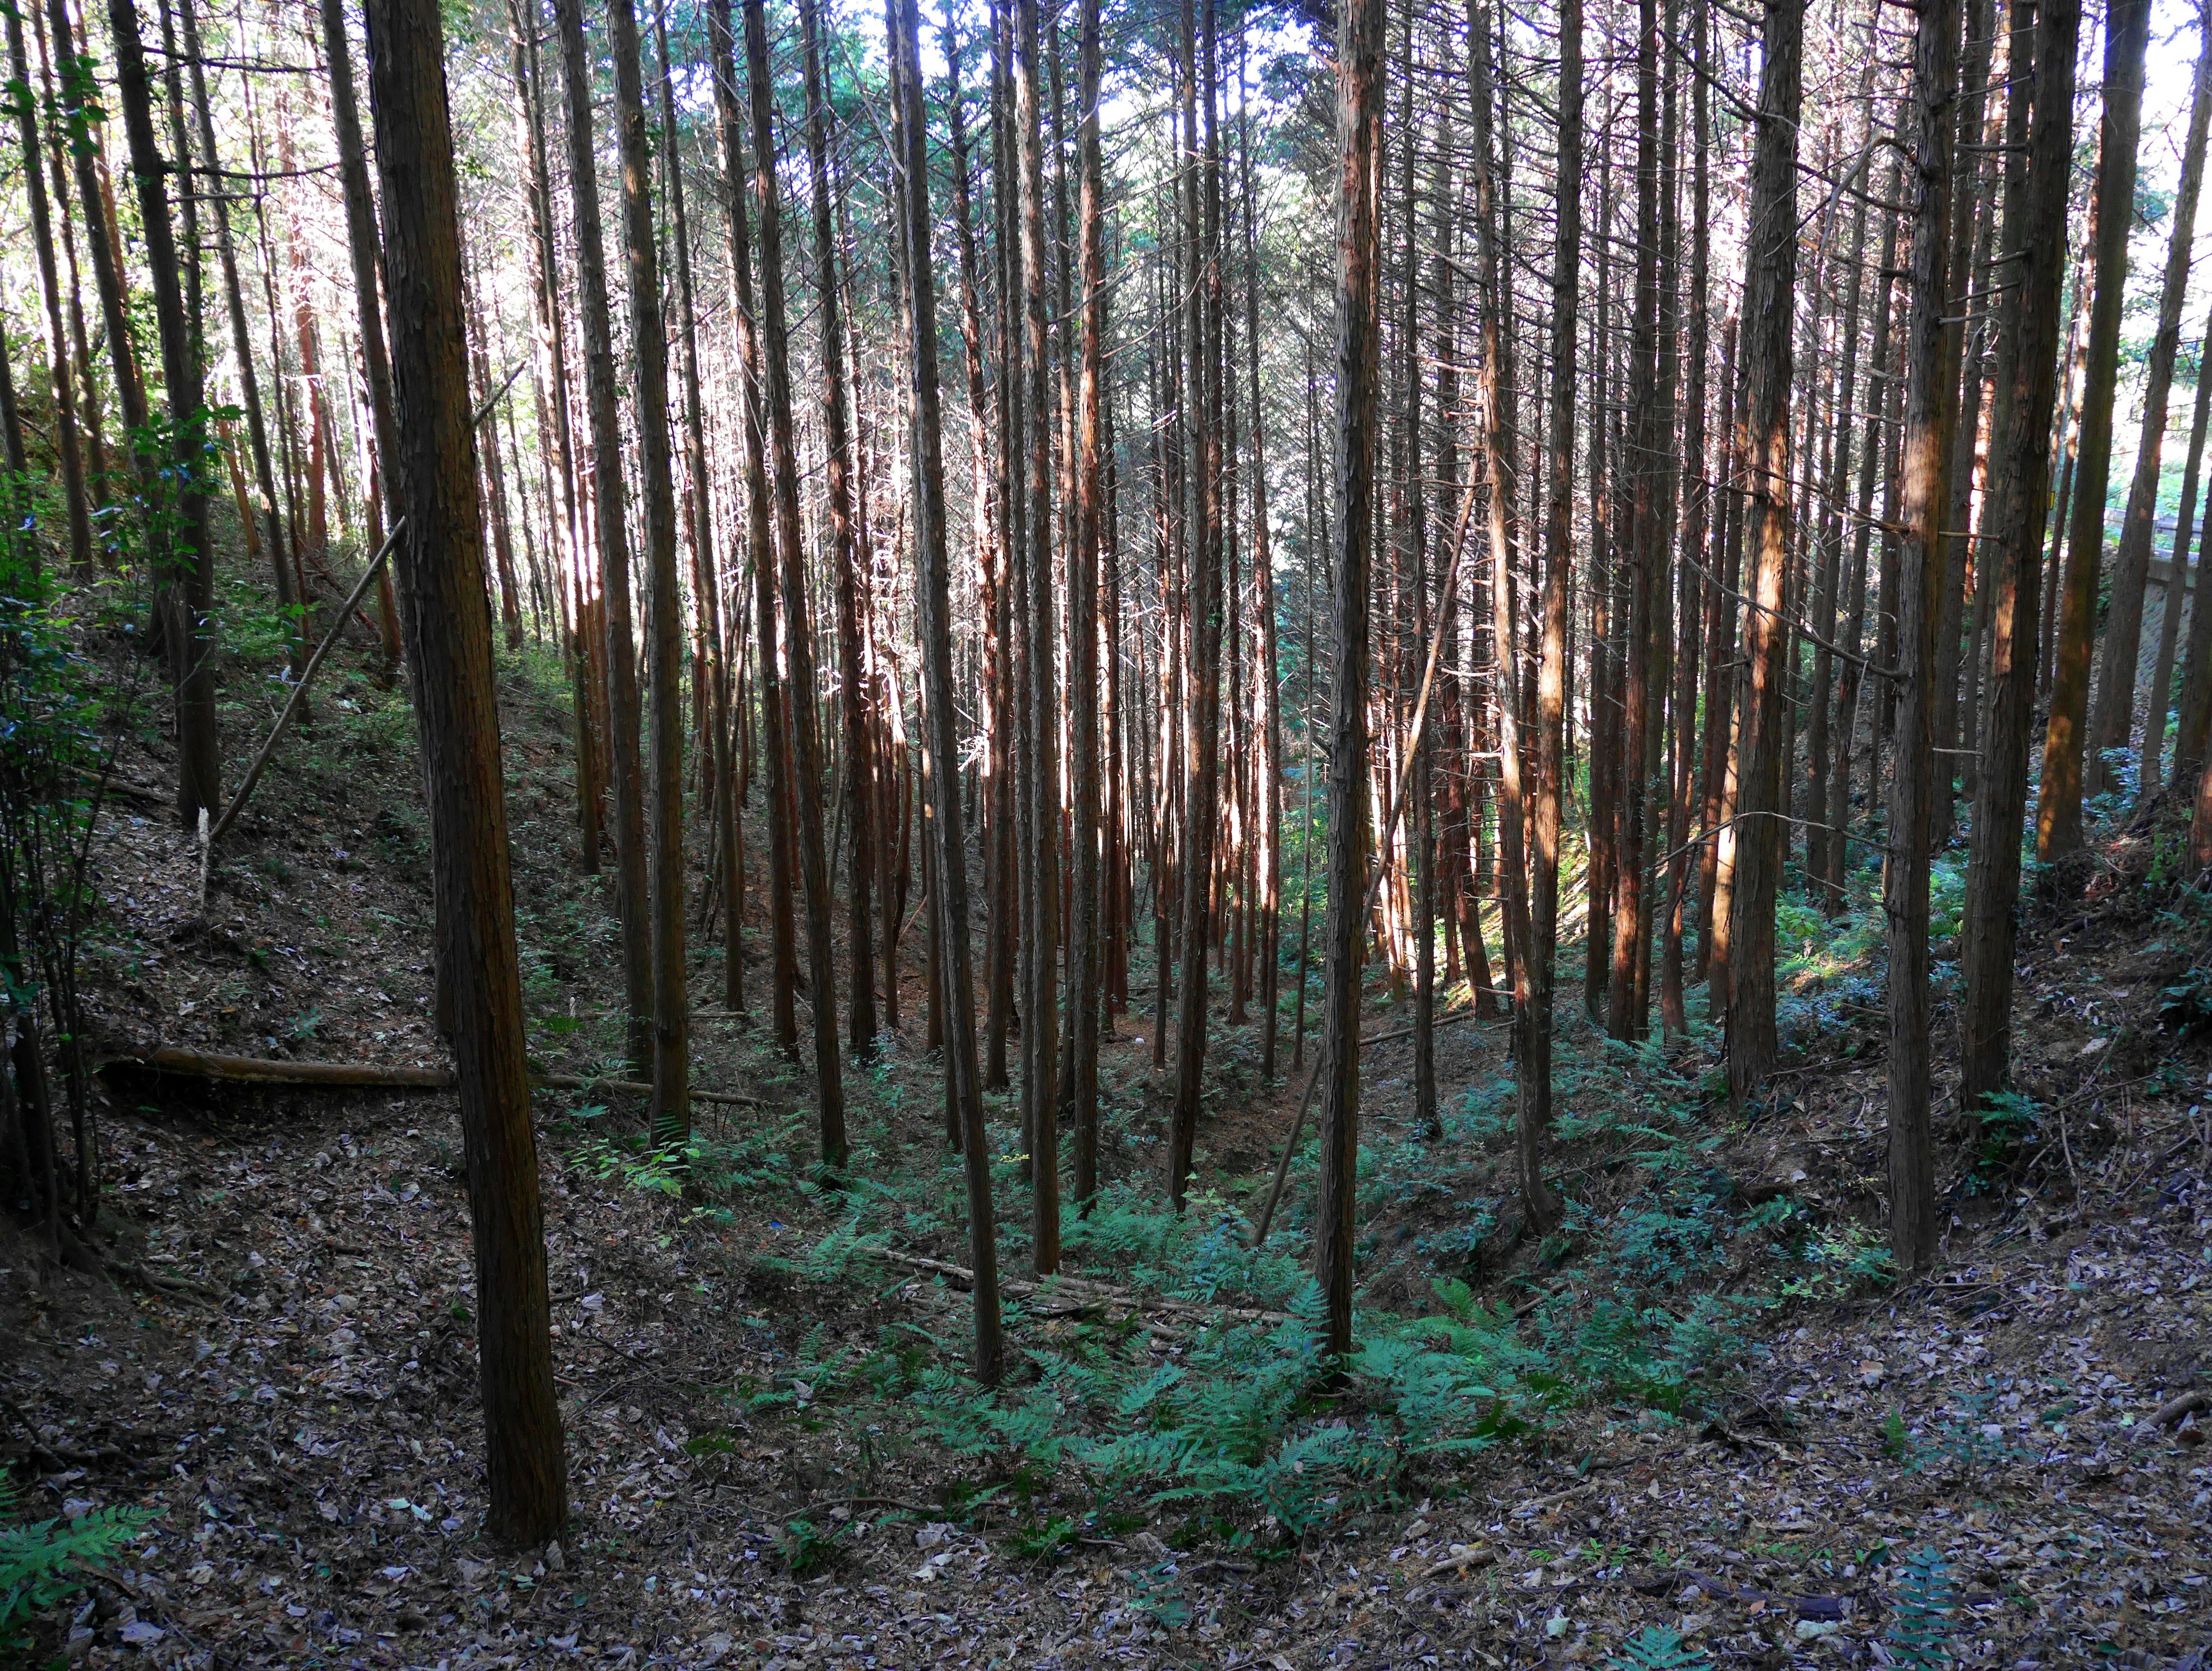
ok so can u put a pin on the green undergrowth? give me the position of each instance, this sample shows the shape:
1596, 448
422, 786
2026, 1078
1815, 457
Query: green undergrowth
43, 1563
1223, 1412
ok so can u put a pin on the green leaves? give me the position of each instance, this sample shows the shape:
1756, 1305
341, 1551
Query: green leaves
44, 1562
1920, 1632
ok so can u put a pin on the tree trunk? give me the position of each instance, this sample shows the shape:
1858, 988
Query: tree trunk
1625, 1016
707, 582
1084, 960
2035, 251
845, 558
759, 557
2058, 803
1922, 498
949, 891
2177, 596
633, 899
66, 439
671, 995
805, 776
1770, 289
1040, 785
185, 557
1358, 123
449, 653
2112, 723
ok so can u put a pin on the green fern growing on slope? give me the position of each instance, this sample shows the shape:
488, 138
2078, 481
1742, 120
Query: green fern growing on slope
1920, 1633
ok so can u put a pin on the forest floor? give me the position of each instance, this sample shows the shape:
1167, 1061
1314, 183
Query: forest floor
1705, 1407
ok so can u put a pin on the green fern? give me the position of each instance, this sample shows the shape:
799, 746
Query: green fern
1920, 1632
1658, 1648
44, 1562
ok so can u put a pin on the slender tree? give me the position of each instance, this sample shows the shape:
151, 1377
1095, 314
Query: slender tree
844, 552
805, 778
1358, 355
2035, 249
633, 896
1925, 466
670, 1056
449, 657
2112, 721
949, 893
184, 552
1770, 290
2060, 788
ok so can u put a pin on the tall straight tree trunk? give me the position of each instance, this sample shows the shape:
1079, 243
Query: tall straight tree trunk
1823, 745
2058, 803
714, 723
1269, 715
1493, 384
77, 91
1202, 316
2177, 597
1041, 908
633, 898
1922, 482
186, 557
759, 556
456, 716
1084, 960
1358, 256
1625, 1018
1968, 253
2035, 250
2112, 721
845, 557
791, 558
992, 556
1717, 856
552, 375
1770, 292
949, 891
664, 637
271, 529
67, 441
375, 364
1872, 447
1697, 590
1601, 873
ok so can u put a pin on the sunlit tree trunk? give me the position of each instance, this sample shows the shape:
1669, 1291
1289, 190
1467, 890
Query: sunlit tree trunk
813, 850
949, 888
1922, 484
1358, 254
633, 897
186, 556
2061, 784
2035, 250
1770, 288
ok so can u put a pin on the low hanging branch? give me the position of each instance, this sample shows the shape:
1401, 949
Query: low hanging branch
299, 696
173, 1062
1389, 829
292, 705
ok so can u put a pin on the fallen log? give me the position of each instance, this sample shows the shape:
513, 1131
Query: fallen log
175, 1062
1085, 1289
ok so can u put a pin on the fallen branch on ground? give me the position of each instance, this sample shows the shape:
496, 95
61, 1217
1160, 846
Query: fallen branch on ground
1084, 1288
169, 1059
